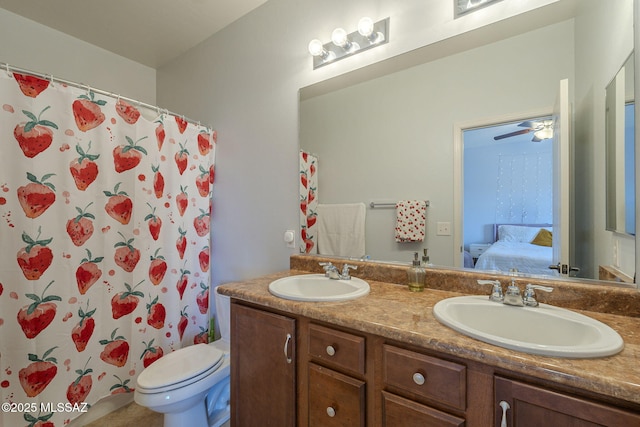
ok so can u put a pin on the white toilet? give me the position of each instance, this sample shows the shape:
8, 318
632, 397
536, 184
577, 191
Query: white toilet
190, 386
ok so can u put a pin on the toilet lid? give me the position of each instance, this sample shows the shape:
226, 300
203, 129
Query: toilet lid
180, 366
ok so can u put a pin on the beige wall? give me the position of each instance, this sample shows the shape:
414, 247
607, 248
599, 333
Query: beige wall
32, 46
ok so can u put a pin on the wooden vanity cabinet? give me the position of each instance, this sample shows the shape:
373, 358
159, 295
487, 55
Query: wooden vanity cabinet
291, 371
263, 368
533, 406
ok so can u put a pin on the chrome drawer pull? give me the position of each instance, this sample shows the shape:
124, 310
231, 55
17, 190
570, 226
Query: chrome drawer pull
331, 412
418, 378
331, 350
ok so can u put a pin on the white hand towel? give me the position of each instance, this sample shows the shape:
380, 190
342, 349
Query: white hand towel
411, 218
341, 229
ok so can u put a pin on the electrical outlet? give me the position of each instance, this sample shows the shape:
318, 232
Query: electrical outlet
444, 229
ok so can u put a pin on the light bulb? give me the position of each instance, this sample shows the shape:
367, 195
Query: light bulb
365, 26
316, 48
544, 133
339, 37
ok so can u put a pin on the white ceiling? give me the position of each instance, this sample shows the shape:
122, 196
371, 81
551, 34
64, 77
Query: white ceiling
151, 32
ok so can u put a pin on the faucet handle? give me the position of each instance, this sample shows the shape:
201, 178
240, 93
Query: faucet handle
326, 266
529, 297
345, 270
496, 292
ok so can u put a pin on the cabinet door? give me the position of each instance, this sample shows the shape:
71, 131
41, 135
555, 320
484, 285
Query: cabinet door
262, 368
532, 406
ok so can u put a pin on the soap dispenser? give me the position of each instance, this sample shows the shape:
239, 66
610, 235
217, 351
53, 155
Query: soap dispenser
425, 258
416, 275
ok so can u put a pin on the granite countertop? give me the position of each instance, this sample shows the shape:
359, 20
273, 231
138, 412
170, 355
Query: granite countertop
393, 312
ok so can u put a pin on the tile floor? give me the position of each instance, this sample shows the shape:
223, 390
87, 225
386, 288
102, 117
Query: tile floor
129, 415
132, 415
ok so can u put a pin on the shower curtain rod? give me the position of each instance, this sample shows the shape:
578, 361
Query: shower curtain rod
10, 68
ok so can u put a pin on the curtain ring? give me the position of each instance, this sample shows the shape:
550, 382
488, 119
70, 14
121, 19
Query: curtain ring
8, 70
51, 79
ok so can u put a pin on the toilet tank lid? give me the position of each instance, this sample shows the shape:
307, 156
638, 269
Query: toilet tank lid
179, 366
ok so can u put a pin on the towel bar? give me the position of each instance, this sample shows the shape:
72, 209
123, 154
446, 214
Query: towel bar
374, 205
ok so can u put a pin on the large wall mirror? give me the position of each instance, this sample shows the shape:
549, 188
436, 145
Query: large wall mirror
620, 154
393, 137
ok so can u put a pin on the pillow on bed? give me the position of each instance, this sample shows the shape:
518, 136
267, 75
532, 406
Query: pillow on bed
517, 233
543, 238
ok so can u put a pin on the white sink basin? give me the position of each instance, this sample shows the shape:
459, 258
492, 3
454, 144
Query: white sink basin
317, 287
545, 330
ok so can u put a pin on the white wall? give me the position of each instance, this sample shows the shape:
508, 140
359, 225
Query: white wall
391, 138
244, 81
32, 46
599, 55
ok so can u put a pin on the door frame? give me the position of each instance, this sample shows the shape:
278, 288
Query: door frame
458, 167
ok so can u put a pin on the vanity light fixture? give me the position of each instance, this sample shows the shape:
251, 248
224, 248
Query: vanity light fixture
462, 7
369, 34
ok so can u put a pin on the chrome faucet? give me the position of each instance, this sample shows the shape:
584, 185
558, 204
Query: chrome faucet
496, 291
345, 271
331, 271
513, 295
529, 298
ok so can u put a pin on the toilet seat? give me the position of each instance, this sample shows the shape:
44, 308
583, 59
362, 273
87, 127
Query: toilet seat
180, 368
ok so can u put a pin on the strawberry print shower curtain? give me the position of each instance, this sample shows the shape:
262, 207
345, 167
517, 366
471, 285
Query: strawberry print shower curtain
308, 202
105, 243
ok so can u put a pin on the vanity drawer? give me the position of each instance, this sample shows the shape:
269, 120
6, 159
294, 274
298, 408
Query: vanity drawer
398, 411
429, 377
335, 399
337, 349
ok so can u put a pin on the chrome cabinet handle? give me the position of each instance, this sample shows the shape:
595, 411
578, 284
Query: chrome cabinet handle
286, 348
505, 406
418, 378
331, 412
331, 351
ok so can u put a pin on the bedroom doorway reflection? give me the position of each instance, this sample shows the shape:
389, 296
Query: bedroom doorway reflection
507, 191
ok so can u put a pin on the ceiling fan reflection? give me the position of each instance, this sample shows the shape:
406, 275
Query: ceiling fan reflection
542, 129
